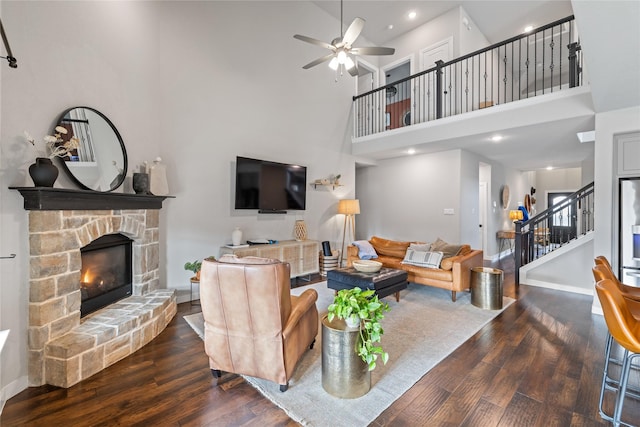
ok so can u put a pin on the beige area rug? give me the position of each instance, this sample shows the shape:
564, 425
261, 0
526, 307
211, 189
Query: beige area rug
420, 331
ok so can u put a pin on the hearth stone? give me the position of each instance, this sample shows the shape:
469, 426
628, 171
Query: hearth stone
55, 239
107, 336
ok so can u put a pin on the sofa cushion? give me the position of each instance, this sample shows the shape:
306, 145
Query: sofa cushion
428, 273
422, 258
389, 247
365, 250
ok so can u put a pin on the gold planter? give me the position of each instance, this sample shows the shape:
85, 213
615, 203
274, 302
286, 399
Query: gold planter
344, 373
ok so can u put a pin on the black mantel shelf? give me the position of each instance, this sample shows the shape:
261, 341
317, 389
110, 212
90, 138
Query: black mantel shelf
64, 199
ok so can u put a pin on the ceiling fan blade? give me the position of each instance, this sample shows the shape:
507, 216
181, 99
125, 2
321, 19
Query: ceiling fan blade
353, 31
318, 61
372, 50
314, 41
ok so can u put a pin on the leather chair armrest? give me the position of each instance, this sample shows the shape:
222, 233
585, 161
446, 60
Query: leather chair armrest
299, 306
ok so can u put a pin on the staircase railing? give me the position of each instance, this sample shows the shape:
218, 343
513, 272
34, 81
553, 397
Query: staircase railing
542, 61
553, 228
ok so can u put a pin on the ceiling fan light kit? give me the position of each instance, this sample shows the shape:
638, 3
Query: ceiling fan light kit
342, 52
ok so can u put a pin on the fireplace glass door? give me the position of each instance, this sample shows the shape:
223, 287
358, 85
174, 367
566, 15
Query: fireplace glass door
106, 274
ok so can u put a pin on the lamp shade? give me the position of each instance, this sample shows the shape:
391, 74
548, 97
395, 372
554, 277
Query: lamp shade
349, 206
516, 215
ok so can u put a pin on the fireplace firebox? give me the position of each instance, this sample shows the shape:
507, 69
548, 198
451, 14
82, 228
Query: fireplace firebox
106, 274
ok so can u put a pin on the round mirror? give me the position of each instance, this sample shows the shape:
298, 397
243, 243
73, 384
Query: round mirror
100, 161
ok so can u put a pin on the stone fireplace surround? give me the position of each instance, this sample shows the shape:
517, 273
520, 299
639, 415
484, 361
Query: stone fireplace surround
64, 349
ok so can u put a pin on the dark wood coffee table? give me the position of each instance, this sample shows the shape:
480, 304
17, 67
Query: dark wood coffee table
385, 282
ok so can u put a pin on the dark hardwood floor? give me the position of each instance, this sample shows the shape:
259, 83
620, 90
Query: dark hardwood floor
538, 364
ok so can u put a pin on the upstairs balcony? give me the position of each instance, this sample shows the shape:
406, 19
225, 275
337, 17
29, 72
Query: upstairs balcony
544, 61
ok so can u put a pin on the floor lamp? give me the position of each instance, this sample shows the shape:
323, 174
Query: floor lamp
349, 208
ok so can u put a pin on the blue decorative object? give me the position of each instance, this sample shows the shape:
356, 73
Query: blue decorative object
525, 214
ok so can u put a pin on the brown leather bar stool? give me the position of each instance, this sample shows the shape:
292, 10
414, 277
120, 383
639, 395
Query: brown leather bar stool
625, 330
601, 271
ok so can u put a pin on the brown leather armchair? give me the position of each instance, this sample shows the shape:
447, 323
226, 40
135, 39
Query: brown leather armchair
252, 324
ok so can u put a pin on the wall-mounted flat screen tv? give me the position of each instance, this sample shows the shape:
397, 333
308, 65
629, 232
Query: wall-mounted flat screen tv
270, 186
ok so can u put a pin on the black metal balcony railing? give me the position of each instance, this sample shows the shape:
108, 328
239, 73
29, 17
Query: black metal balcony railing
553, 227
543, 61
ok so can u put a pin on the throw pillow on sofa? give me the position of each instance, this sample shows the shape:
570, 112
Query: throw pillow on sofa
426, 247
365, 250
422, 258
447, 249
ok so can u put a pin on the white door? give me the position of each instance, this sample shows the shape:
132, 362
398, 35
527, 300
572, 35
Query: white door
367, 120
482, 211
425, 107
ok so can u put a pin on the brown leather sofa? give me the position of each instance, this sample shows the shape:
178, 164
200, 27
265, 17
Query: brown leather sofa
252, 324
454, 273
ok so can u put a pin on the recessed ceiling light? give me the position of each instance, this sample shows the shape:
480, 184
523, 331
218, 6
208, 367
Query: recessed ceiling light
549, 168
412, 14
390, 27
496, 138
411, 151
528, 28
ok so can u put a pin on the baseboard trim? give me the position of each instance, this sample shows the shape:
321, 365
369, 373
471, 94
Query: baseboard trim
12, 389
557, 287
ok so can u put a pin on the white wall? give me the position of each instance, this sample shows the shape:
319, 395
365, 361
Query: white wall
404, 198
436, 30
555, 181
608, 125
471, 39
197, 83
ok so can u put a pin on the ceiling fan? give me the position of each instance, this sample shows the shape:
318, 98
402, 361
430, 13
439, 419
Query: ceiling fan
342, 51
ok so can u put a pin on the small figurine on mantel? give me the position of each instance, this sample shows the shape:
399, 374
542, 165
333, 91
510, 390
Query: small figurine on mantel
158, 178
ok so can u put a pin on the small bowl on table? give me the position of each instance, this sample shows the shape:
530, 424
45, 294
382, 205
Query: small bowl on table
367, 266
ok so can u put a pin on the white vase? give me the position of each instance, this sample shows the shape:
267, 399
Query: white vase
300, 230
236, 236
158, 178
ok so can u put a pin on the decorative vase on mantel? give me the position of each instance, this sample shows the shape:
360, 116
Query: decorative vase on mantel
43, 172
300, 230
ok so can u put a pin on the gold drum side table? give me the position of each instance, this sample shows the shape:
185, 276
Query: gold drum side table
344, 373
486, 288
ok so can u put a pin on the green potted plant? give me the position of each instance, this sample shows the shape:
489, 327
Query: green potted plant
363, 308
196, 265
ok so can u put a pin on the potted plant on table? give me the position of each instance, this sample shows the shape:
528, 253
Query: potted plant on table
364, 310
196, 265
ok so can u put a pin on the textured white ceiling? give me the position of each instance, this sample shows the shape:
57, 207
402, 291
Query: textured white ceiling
497, 20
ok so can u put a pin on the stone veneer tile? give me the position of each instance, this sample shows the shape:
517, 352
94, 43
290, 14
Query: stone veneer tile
42, 289
103, 333
36, 367
70, 345
62, 373
117, 349
37, 337
67, 283
42, 313
73, 302
153, 218
52, 242
44, 266
92, 362
40, 221
63, 325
